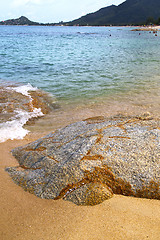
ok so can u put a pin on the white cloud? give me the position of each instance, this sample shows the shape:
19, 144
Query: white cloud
18, 3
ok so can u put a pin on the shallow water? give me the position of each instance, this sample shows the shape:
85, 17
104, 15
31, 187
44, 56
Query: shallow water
88, 70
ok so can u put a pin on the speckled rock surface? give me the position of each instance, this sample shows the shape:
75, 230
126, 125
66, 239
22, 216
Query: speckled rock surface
86, 162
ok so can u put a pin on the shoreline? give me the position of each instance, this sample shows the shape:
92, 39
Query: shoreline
25, 216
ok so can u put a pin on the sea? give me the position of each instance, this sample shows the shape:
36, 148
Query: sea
76, 72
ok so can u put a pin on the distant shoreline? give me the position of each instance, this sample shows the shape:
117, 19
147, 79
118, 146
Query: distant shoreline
137, 28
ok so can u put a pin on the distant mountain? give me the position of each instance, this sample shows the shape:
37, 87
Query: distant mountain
25, 21
19, 21
130, 12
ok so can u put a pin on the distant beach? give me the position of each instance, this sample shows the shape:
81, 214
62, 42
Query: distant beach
147, 28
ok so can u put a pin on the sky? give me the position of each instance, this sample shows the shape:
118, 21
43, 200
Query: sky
51, 11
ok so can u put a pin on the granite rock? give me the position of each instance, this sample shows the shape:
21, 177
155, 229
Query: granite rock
86, 162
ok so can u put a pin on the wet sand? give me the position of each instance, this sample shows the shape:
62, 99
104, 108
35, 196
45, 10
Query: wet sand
25, 216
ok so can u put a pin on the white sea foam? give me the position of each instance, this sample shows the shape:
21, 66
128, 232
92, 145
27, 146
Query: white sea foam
24, 89
13, 129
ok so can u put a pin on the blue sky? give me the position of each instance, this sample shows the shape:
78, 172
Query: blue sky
51, 10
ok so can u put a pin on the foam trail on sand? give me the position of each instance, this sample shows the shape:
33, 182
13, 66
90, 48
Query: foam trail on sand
13, 128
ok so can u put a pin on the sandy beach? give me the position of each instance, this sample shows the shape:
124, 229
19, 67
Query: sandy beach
25, 216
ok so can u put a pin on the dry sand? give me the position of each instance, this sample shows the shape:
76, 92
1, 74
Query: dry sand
25, 216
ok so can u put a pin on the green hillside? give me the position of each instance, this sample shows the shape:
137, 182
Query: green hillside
130, 12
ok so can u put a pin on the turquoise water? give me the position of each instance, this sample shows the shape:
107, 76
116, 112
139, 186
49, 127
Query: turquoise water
77, 63
108, 66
